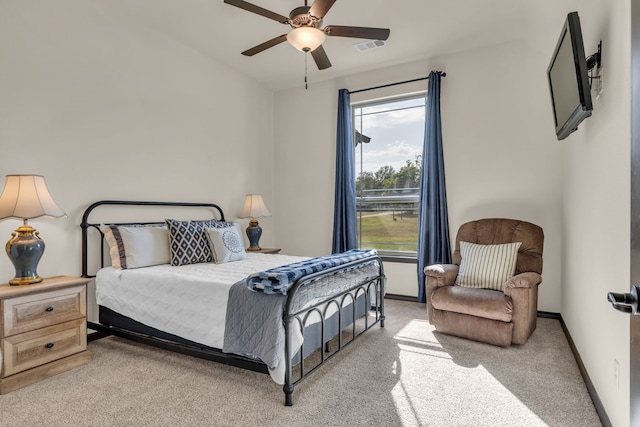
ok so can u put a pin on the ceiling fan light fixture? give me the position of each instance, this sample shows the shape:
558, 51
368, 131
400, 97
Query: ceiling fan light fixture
306, 39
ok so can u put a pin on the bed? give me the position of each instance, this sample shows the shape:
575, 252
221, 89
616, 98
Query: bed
228, 307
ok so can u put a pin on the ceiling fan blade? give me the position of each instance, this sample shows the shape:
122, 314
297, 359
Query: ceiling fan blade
259, 10
319, 8
357, 32
321, 58
266, 45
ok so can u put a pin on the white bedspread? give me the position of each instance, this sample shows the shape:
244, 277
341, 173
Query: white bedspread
189, 301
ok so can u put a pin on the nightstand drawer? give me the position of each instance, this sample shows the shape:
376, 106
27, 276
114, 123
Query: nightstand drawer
31, 349
31, 312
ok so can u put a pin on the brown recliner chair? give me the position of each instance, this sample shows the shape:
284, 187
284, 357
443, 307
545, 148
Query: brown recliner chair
495, 317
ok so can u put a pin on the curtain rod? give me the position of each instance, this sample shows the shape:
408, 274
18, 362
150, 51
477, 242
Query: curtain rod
394, 84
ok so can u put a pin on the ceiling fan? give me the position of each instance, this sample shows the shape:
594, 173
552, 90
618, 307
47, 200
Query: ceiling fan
306, 34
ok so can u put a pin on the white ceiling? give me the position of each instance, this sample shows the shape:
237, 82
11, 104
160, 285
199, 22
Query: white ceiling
419, 29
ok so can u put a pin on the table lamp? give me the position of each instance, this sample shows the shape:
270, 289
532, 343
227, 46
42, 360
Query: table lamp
25, 197
253, 208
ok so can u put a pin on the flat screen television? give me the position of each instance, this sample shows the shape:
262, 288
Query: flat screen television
569, 80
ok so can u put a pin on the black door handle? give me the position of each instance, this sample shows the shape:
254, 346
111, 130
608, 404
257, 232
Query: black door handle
626, 303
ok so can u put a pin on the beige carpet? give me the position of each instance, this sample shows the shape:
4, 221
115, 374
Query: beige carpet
400, 375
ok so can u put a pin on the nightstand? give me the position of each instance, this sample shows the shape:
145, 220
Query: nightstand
44, 330
267, 251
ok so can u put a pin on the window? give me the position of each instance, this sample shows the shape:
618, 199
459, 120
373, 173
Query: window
388, 142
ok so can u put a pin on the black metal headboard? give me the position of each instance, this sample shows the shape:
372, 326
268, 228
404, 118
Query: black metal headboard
85, 224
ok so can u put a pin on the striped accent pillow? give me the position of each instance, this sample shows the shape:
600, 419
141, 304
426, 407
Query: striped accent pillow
137, 246
487, 266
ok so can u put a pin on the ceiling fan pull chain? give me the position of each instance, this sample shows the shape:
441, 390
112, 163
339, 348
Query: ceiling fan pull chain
305, 70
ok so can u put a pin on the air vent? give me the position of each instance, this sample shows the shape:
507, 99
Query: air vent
369, 44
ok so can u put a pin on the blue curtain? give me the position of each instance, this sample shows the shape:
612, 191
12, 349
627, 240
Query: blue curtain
344, 209
434, 246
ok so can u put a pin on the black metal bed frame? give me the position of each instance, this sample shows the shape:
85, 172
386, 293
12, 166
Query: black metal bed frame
363, 290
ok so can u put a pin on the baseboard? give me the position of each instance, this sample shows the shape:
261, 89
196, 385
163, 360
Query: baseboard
604, 418
401, 297
92, 336
549, 315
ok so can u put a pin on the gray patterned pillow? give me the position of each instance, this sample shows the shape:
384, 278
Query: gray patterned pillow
188, 243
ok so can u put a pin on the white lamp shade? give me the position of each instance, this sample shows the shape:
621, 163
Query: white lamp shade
254, 207
306, 38
26, 197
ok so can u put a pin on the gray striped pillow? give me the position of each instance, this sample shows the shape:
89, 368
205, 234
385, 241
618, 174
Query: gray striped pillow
487, 266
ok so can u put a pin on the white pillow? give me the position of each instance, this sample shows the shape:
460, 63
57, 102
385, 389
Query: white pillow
137, 246
226, 244
487, 266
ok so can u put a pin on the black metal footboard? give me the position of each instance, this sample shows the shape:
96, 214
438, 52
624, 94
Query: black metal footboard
336, 313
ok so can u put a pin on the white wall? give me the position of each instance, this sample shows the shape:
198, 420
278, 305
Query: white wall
106, 108
596, 213
496, 118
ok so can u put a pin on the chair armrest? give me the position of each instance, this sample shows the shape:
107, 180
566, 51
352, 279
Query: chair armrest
441, 274
437, 276
523, 291
523, 280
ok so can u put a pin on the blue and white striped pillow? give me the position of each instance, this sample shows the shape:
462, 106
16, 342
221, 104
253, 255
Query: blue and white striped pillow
487, 266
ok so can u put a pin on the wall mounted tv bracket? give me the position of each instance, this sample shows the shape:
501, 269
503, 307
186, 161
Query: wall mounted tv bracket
594, 60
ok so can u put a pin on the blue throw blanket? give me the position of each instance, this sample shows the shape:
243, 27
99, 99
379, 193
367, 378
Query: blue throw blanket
278, 280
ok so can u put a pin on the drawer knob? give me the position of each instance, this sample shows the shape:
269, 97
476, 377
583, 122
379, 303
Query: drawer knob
50, 345
49, 309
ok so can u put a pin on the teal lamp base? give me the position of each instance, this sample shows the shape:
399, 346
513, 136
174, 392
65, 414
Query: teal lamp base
254, 231
25, 248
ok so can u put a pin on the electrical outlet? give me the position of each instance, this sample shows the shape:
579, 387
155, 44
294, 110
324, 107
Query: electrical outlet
616, 373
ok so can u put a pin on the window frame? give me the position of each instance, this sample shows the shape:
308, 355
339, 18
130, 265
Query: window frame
386, 255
